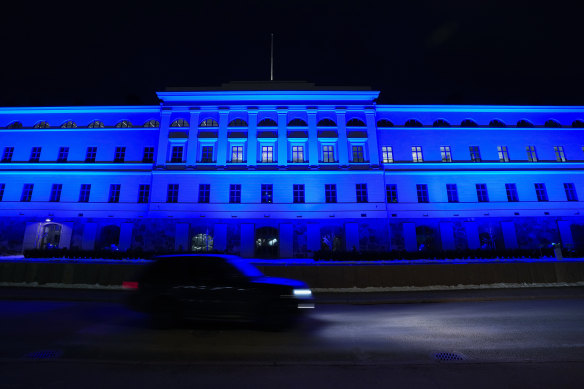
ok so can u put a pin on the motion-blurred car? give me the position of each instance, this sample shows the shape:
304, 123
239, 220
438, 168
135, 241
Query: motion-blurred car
216, 287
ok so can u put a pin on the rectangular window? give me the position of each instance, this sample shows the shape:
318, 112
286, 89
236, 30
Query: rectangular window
475, 154
297, 154
90, 154
452, 193
417, 154
541, 192
267, 196
512, 195
267, 154
26, 192
114, 193
328, 153
445, 153
172, 193
330, 193
35, 154
503, 153
207, 154
391, 193
148, 156
298, 193
236, 154
63, 154
560, 156
2, 187
235, 193
144, 193
7, 156
120, 154
84, 193
176, 155
358, 154
571, 194
531, 154
387, 154
482, 194
422, 192
361, 190
204, 193
56, 193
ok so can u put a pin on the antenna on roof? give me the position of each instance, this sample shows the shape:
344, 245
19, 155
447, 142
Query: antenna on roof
272, 59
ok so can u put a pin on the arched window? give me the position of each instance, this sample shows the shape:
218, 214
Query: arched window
96, 124
179, 123
42, 124
297, 123
497, 123
237, 123
524, 123
268, 123
576, 123
355, 123
14, 125
384, 123
413, 123
152, 123
209, 123
326, 123
69, 124
441, 123
552, 124
124, 124
468, 123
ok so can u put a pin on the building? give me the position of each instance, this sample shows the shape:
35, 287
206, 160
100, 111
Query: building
285, 169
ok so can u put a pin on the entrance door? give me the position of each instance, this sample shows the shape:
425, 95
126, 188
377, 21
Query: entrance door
50, 236
267, 242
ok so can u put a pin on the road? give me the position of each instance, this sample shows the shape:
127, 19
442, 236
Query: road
508, 342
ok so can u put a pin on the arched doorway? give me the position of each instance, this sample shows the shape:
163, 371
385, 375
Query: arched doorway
109, 238
267, 242
202, 242
49, 236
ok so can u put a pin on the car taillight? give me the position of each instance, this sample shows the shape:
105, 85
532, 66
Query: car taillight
129, 285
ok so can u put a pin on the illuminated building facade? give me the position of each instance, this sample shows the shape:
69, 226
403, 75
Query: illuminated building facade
284, 171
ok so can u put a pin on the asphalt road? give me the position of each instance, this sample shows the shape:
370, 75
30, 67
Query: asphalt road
508, 342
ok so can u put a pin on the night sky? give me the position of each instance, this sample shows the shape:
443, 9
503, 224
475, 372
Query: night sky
414, 52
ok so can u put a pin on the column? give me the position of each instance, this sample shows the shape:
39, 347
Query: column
351, 236
313, 237
313, 146
472, 235
286, 240
89, 233
282, 137
372, 136
193, 135
447, 236
222, 141
343, 144
509, 235
220, 238
566, 237
410, 238
181, 237
126, 236
247, 243
252, 137
163, 137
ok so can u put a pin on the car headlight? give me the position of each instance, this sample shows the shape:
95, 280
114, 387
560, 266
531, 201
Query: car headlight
302, 293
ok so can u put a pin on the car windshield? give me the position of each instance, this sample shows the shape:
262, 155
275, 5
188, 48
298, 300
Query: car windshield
247, 268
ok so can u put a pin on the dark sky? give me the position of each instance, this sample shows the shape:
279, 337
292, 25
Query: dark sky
415, 52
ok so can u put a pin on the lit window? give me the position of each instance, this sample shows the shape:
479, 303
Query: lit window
445, 154
358, 154
26, 192
114, 193
361, 190
512, 195
152, 124
417, 154
120, 154
560, 156
42, 124
297, 154
207, 154
204, 193
63, 154
391, 193
475, 154
69, 124
531, 154
387, 154
571, 194
541, 192
7, 155
235, 193
422, 192
35, 154
172, 193
148, 156
328, 154
237, 154
14, 125
503, 153
267, 195
90, 154
452, 193
56, 193
84, 193
298, 193
144, 193
267, 154
482, 194
96, 124
209, 123
179, 123
330, 193
177, 154
124, 124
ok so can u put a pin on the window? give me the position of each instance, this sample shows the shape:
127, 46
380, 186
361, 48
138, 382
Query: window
355, 123
441, 123
268, 123
204, 193
497, 123
15, 125
124, 124
326, 123
179, 123
267, 194
56, 193
468, 123
26, 192
511, 190
560, 156
297, 154
177, 154
152, 124
475, 154
298, 193
531, 154
387, 154
384, 123
328, 153
358, 154
63, 154
541, 192
120, 154
482, 194
571, 194
422, 192
297, 123
503, 153
84, 193
452, 193
237, 154
148, 156
237, 123
96, 124
235, 193
445, 153
209, 123
2, 187
391, 193
172, 193
90, 154
330, 193
42, 124
417, 154
144, 193
413, 123
35, 154
114, 193
361, 193
69, 124
267, 154
7, 156
207, 154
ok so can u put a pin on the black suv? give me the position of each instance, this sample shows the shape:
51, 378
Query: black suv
216, 287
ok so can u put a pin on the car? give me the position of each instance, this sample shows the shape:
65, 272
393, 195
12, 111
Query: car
216, 287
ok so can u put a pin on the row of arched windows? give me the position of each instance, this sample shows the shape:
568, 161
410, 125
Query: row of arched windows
93, 124
523, 123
